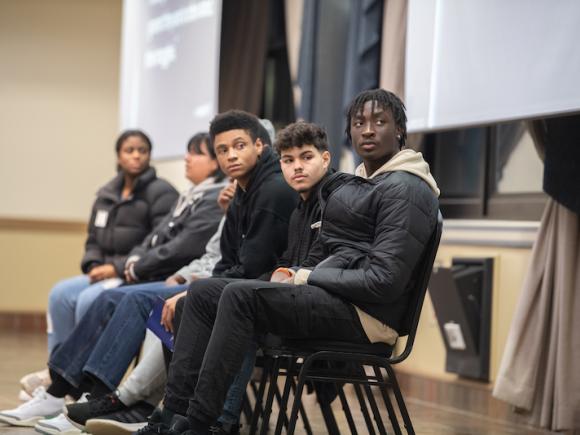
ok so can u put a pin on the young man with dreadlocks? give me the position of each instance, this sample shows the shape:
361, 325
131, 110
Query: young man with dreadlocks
375, 228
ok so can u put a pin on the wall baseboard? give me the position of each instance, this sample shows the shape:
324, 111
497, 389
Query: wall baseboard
23, 224
23, 322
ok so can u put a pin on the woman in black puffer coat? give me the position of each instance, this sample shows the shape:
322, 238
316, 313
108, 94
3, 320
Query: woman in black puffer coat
127, 208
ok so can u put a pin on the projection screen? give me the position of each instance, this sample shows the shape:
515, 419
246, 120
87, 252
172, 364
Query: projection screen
169, 69
475, 62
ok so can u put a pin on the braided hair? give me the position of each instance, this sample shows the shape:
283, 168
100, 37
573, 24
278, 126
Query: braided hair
385, 100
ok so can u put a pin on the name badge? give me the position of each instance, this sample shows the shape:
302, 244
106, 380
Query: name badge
101, 218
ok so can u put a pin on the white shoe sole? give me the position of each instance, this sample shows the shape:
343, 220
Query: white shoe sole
74, 423
51, 430
31, 422
102, 426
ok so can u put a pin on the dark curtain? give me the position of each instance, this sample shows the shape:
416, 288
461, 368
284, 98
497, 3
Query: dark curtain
322, 67
508, 136
339, 57
364, 48
278, 104
562, 161
243, 49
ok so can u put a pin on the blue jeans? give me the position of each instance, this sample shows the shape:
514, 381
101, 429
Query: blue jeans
68, 301
237, 390
109, 336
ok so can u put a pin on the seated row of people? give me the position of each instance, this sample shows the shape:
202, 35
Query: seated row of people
334, 262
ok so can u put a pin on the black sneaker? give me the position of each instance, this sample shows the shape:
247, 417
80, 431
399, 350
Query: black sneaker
164, 422
157, 423
121, 422
212, 430
227, 429
79, 413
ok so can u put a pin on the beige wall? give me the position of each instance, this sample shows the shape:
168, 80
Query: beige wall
58, 105
510, 266
58, 121
59, 95
36, 260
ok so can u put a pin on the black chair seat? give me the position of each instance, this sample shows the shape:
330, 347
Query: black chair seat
311, 346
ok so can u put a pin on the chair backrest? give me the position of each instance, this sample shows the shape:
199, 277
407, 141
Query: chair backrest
423, 273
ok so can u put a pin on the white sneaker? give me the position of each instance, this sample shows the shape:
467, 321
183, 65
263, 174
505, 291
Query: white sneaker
56, 425
32, 381
41, 406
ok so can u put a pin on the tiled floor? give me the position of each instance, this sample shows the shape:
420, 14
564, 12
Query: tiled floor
23, 353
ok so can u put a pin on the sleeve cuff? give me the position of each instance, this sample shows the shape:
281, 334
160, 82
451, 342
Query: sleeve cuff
301, 276
132, 272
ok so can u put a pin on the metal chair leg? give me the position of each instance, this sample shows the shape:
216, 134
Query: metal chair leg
328, 416
400, 401
375, 410
270, 396
388, 403
302, 412
298, 396
283, 401
364, 409
259, 393
360, 371
247, 411
347, 413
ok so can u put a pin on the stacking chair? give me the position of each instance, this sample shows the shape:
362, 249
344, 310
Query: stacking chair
338, 363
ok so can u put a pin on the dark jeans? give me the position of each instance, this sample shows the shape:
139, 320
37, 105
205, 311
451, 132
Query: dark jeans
109, 335
235, 396
219, 323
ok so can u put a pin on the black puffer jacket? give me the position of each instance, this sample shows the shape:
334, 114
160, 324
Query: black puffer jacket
182, 235
374, 232
301, 234
117, 225
256, 229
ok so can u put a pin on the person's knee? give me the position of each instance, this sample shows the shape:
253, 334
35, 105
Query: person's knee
199, 292
86, 299
140, 298
61, 293
236, 294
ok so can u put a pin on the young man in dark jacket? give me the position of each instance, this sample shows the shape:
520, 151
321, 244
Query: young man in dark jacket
304, 159
374, 232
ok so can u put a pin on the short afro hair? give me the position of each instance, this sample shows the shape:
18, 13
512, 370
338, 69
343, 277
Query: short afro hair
235, 120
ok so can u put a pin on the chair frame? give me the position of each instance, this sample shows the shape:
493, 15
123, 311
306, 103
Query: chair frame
376, 355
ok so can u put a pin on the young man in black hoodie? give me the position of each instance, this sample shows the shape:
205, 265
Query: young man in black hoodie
305, 161
254, 234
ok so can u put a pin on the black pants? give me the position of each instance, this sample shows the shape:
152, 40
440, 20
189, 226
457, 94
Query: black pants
221, 318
